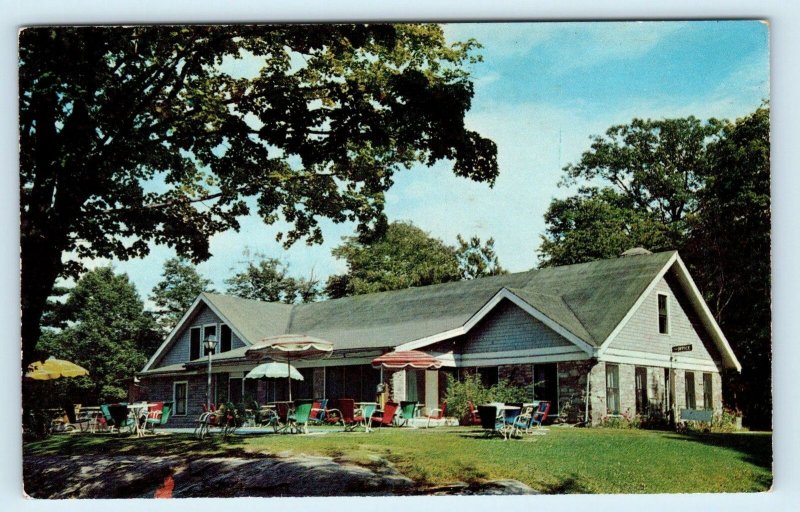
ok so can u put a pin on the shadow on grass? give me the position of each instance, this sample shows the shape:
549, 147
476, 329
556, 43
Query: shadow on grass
755, 448
568, 485
114, 445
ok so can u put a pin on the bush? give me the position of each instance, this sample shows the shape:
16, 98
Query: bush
472, 389
459, 393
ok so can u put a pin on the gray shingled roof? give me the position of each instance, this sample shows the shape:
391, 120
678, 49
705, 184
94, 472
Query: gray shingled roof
587, 299
254, 319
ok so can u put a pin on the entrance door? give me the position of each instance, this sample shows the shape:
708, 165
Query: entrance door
545, 384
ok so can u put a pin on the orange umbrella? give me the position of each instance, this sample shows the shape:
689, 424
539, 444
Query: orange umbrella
54, 369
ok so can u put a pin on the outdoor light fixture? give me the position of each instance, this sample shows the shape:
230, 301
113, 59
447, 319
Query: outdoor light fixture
210, 344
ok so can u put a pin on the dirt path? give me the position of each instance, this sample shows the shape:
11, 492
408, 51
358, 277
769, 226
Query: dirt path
94, 476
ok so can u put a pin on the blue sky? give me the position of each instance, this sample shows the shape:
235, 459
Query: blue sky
541, 91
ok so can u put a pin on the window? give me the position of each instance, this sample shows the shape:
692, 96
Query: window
208, 330
194, 343
180, 396
663, 314
641, 390
489, 375
708, 402
235, 390
690, 401
612, 388
224, 338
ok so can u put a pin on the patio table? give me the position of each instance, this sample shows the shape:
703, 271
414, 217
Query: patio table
139, 410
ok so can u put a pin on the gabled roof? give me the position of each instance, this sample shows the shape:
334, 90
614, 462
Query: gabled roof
253, 319
587, 302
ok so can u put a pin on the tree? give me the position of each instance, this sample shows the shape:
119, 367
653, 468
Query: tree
107, 332
407, 256
728, 254
138, 135
179, 287
708, 197
476, 260
269, 280
639, 186
600, 223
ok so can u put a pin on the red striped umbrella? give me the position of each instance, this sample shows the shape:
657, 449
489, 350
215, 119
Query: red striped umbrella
409, 358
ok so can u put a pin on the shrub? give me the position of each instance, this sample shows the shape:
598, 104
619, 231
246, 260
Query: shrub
459, 393
472, 389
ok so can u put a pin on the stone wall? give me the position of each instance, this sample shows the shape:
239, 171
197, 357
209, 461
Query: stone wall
572, 386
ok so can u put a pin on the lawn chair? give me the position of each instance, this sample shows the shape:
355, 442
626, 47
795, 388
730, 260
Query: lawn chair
319, 411
510, 416
120, 417
530, 421
473, 418
158, 417
491, 423
407, 411
386, 417
436, 414
301, 415
352, 418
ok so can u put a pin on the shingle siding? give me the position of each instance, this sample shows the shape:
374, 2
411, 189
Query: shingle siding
641, 333
508, 327
179, 352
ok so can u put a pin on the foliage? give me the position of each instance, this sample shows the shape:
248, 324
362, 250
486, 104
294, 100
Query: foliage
650, 174
728, 255
107, 332
470, 388
151, 134
267, 279
624, 420
699, 188
405, 256
179, 287
476, 260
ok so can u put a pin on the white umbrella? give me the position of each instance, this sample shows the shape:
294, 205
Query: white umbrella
289, 347
274, 370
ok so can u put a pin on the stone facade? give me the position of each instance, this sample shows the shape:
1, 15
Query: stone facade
572, 386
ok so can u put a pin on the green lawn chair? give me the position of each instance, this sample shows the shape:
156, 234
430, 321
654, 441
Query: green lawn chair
298, 421
407, 411
118, 417
158, 418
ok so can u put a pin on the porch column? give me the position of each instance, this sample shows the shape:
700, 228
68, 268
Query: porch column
431, 390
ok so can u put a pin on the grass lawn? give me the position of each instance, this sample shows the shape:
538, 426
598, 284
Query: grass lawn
566, 460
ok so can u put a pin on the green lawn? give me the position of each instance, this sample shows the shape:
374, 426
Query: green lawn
566, 460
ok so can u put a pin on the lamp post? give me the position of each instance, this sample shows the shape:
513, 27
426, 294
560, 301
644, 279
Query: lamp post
210, 343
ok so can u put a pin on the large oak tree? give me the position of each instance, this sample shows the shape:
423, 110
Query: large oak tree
137, 135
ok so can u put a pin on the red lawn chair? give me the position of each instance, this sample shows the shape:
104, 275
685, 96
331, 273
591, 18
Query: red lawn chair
474, 417
384, 418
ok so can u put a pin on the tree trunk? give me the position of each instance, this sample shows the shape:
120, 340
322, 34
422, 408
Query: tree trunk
41, 264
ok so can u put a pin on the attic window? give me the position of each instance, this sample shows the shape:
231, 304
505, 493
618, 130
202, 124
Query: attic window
224, 338
663, 314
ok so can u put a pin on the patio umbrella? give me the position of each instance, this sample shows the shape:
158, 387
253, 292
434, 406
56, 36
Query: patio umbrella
274, 370
290, 347
54, 369
406, 359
